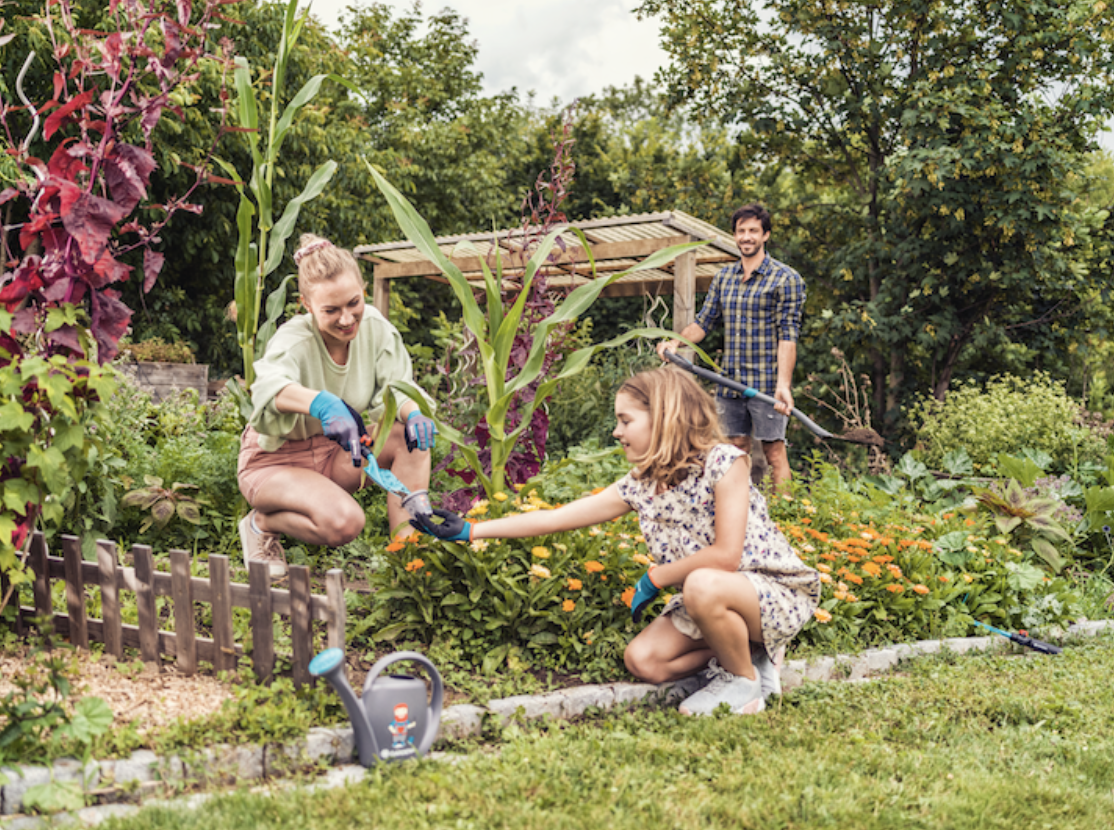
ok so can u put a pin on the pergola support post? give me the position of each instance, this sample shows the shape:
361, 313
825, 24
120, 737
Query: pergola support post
684, 290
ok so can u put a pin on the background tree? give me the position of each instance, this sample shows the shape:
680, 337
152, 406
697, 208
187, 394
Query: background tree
944, 142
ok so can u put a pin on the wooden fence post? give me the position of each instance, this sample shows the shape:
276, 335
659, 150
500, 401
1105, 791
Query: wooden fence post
224, 657
148, 613
301, 623
334, 591
44, 603
110, 599
262, 621
185, 640
75, 591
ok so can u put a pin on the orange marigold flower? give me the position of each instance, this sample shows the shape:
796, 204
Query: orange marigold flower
872, 568
852, 598
568, 605
827, 569
415, 565
858, 580
806, 521
825, 577
831, 557
575, 585
894, 570
895, 588
628, 596
947, 516
854, 558
883, 559
943, 579
822, 615
592, 566
969, 522
395, 546
920, 589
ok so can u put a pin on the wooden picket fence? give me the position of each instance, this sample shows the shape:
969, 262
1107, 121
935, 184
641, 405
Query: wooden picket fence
184, 590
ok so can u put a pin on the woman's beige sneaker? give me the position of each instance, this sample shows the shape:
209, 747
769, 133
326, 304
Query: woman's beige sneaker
262, 547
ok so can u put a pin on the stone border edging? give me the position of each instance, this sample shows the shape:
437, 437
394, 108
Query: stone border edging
144, 771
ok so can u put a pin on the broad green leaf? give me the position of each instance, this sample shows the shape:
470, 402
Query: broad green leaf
276, 306
1021, 469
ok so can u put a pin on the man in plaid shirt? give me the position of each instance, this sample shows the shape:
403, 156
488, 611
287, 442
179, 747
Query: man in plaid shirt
759, 300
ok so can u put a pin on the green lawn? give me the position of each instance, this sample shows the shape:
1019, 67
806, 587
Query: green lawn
974, 742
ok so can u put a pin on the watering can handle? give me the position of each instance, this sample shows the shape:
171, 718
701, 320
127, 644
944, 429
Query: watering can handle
435, 702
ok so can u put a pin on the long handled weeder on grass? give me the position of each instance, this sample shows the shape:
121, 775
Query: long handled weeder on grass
1023, 639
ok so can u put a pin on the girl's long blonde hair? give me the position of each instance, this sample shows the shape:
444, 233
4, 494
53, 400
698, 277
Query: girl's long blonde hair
319, 260
684, 424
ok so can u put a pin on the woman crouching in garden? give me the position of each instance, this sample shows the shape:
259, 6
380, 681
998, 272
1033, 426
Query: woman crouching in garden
301, 456
744, 593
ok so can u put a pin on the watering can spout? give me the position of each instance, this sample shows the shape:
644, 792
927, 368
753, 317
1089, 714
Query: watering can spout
330, 665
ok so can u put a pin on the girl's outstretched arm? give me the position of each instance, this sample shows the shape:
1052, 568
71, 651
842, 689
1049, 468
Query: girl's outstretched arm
583, 512
732, 494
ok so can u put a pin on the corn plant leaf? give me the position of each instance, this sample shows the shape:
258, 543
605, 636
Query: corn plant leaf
276, 305
285, 227
247, 107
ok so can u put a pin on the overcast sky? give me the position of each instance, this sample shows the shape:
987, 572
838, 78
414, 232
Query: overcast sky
555, 48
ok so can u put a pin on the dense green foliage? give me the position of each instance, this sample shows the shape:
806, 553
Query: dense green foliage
1006, 415
939, 153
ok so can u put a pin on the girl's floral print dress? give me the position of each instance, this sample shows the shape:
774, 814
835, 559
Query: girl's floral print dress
681, 521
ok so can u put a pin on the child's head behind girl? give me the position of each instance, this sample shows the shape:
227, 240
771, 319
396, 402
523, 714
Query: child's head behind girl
671, 424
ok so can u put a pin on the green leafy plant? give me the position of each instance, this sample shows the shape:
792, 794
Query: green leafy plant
262, 240
157, 350
164, 502
1007, 415
495, 327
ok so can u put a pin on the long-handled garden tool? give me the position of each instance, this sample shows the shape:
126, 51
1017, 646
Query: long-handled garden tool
855, 436
1023, 639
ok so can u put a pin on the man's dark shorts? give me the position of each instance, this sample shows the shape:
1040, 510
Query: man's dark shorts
750, 416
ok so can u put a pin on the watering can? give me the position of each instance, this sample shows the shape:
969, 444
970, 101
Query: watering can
392, 721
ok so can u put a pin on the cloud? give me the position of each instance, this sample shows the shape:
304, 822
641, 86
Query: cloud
555, 48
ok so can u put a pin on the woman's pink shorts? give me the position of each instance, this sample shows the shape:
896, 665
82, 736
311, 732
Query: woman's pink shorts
256, 465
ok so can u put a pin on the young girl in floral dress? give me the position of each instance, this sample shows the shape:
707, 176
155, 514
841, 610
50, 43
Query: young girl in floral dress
743, 594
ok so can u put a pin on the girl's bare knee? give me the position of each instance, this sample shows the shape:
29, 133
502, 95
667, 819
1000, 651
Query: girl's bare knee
641, 662
700, 590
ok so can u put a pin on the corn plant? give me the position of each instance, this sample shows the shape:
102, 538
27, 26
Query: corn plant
495, 331
258, 231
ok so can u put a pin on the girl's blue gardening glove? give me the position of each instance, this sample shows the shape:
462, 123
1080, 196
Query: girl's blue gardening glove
644, 592
420, 431
451, 528
338, 423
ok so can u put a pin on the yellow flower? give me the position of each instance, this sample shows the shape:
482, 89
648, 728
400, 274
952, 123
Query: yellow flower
825, 578
567, 606
540, 552
642, 559
575, 584
479, 508
479, 545
540, 571
968, 578
500, 496
822, 615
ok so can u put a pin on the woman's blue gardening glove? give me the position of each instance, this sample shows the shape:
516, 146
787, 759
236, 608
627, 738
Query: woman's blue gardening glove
644, 592
420, 431
451, 528
338, 423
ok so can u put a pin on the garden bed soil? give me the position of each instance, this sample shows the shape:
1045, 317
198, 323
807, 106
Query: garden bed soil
150, 697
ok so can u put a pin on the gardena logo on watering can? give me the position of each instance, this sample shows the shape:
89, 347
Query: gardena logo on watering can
392, 721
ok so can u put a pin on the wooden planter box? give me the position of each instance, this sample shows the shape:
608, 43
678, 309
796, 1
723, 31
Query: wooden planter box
165, 379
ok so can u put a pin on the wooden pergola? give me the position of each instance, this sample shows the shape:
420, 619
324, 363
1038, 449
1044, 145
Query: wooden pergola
616, 243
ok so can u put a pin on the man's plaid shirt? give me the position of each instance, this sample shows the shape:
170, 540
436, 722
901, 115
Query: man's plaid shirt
757, 314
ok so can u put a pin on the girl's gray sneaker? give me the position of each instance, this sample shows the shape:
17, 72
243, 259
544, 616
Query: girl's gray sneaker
768, 674
741, 694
